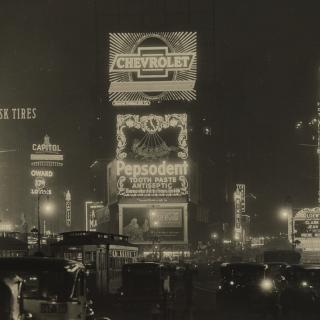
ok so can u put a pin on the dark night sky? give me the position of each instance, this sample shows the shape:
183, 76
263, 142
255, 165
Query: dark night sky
262, 78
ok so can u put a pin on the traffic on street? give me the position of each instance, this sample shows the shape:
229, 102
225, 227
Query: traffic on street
159, 160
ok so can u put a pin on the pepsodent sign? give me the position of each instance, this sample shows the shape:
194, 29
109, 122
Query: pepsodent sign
147, 67
163, 169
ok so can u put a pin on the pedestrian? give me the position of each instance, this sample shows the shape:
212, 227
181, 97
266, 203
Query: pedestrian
188, 284
188, 289
5, 302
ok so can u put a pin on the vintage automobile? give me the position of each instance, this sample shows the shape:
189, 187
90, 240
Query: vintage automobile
302, 292
52, 288
245, 288
11, 302
148, 285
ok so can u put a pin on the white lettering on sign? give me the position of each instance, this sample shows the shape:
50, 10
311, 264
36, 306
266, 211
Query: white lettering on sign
42, 173
46, 148
153, 59
41, 191
68, 213
313, 215
18, 113
164, 169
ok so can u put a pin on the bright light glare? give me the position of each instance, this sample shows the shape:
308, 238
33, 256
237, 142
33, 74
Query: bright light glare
214, 235
266, 284
284, 214
304, 283
48, 207
231, 283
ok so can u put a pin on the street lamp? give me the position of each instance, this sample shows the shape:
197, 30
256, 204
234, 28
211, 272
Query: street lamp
214, 235
156, 239
48, 208
315, 124
287, 214
284, 214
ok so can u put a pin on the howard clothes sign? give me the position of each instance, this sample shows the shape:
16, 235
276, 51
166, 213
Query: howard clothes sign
151, 155
146, 67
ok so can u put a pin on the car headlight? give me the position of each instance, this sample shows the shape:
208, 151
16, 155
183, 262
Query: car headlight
266, 285
304, 284
231, 283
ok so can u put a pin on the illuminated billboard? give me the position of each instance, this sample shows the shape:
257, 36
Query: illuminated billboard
307, 223
239, 210
92, 210
151, 67
46, 154
151, 155
147, 224
44, 158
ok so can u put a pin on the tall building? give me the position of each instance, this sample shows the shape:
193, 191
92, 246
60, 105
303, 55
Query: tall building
155, 93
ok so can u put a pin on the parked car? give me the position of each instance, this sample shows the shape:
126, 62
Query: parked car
45, 288
246, 288
148, 285
302, 291
11, 301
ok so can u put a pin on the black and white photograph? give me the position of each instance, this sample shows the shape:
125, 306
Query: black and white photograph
159, 160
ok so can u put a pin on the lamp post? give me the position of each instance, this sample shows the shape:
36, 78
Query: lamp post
287, 214
48, 208
315, 125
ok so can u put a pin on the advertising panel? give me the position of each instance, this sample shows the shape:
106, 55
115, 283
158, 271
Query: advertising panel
45, 157
151, 154
92, 209
46, 154
151, 67
146, 224
307, 223
239, 209
112, 192
68, 208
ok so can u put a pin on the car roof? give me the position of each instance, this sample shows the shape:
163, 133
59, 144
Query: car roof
243, 264
305, 266
276, 263
38, 264
143, 264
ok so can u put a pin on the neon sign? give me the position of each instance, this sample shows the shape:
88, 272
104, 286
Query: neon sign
163, 169
46, 154
147, 67
152, 62
152, 154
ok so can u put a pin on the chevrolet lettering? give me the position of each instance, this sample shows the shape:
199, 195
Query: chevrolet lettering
159, 60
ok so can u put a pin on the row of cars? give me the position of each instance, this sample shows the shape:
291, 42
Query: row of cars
278, 290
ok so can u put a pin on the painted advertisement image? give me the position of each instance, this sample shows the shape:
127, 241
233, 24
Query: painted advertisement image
146, 225
148, 67
152, 153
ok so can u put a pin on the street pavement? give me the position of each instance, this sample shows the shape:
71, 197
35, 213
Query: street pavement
201, 308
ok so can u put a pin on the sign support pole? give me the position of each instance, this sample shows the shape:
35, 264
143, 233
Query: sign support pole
318, 152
